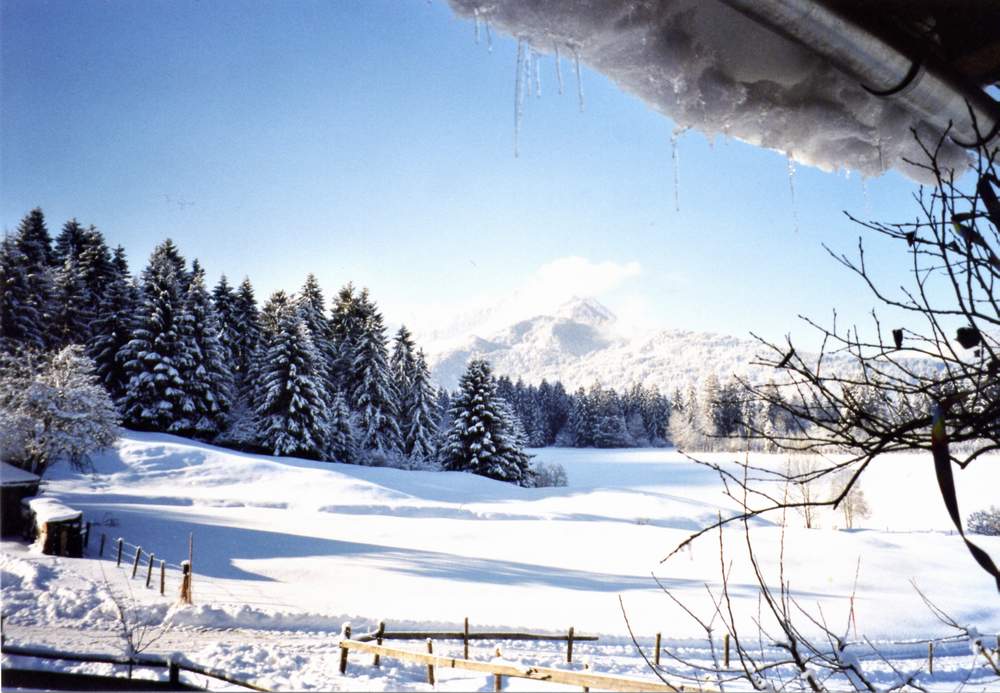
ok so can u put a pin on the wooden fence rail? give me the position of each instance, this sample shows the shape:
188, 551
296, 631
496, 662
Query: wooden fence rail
500, 669
472, 635
142, 660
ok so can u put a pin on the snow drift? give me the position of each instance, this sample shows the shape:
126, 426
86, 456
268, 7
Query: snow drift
707, 67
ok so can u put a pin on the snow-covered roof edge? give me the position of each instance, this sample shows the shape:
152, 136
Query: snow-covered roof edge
14, 476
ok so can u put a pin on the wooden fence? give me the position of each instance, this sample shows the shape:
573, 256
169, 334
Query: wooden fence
173, 668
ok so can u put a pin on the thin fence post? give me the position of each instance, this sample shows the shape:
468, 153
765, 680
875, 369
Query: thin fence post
343, 648
656, 655
186, 583
465, 639
569, 646
175, 673
163, 578
430, 667
930, 658
497, 678
120, 544
149, 570
377, 660
86, 537
586, 667
100, 550
725, 650
135, 563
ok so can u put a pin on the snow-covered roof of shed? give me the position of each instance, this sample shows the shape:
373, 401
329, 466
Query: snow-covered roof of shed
48, 509
709, 67
14, 476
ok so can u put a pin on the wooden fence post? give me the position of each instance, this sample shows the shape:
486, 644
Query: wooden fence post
135, 563
175, 673
186, 583
163, 578
465, 639
430, 667
149, 571
376, 661
497, 678
586, 667
930, 658
343, 650
86, 537
569, 646
656, 656
120, 543
100, 551
725, 650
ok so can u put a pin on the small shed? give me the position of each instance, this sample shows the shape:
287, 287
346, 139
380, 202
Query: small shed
15, 485
58, 528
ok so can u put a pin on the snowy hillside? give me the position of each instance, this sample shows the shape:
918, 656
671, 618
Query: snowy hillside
286, 550
580, 345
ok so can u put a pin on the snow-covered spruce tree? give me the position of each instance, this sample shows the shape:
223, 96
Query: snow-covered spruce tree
374, 396
246, 326
207, 375
112, 329
159, 351
342, 442
347, 321
52, 408
421, 426
224, 301
402, 365
311, 306
72, 309
26, 283
481, 439
291, 414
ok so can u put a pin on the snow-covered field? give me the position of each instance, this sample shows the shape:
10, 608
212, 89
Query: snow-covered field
285, 551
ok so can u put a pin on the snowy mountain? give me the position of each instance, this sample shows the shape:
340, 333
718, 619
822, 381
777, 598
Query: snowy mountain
580, 344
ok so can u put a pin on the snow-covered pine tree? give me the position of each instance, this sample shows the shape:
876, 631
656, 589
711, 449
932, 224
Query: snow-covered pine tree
374, 396
350, 313
72, 310
481, 439
582, 420
96, 266
26, 280
402, 366
609, 422
342, 442
158, 352
68, 243
291, 414
421, 425
224, 300
311, 306
207, 375
246, 325
112, 329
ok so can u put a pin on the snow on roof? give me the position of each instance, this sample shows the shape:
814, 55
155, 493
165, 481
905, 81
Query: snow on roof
13, 476
710, 68
48, 509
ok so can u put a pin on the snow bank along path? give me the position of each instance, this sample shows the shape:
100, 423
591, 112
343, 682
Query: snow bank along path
286, 547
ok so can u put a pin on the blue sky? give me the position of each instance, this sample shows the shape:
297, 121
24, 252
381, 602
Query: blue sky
372, 142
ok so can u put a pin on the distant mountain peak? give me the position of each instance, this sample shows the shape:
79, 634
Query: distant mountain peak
588, 311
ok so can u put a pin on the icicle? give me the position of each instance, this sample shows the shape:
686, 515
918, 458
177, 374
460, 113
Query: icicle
675, 157
579, 82
558, 69
489, 36
518, 94
475, 19
791, 188
538, 74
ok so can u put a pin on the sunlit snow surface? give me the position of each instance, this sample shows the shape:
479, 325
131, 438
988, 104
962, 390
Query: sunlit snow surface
708, 67
287, 550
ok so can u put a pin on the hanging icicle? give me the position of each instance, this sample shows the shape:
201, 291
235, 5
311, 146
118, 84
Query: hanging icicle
558, 69
579, 81
535, 60
475, 20
518, 94
489, 36
675, 157
791, 188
